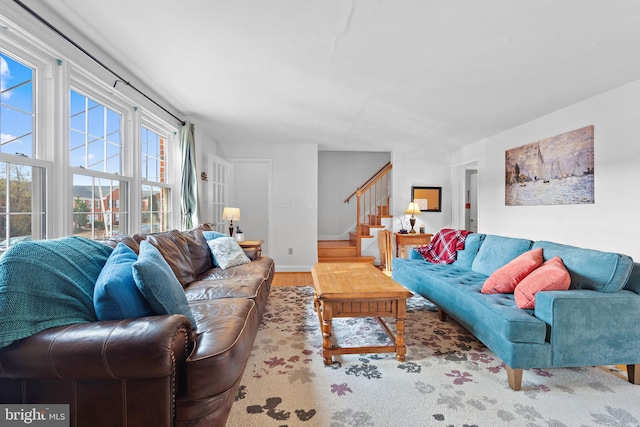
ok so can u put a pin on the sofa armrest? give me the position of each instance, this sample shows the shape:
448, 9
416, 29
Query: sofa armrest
147, 347
588, 327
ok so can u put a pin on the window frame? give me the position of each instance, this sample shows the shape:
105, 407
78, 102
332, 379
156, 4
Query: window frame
86, 85
41, 96
162, 128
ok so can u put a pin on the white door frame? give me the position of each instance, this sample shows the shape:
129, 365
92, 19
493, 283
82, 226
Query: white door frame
459, 196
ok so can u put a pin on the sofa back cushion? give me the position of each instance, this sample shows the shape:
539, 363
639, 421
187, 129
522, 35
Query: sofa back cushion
497, 251
174, 247
589, 268
465, 256
199, 250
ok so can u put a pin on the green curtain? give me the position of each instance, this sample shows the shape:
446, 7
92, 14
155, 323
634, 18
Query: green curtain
189, 182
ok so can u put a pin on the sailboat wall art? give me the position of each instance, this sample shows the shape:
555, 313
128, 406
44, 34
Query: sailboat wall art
553, 171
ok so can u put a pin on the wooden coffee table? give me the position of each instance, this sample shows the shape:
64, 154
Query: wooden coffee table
358, 290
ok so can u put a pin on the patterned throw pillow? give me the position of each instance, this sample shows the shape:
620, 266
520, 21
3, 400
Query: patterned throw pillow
227, 253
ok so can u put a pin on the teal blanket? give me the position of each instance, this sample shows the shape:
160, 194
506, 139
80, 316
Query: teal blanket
48, 283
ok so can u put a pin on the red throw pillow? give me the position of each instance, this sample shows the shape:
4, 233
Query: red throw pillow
550, 276
505, 279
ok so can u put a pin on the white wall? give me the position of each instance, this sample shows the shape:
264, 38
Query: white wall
294, 202
610, 224
421, 168
339, 174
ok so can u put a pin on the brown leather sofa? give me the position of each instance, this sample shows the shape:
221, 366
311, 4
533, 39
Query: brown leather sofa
151, 371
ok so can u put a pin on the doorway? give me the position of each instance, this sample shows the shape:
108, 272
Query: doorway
250, 192
471, 202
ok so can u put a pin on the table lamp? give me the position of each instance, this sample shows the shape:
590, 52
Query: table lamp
229, 214
413, 210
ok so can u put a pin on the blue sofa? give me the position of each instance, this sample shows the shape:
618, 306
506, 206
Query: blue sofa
593, 323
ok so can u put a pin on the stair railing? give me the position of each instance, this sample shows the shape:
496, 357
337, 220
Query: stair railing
372, 196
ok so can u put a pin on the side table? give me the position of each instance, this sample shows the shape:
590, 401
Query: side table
256, 245
411, 239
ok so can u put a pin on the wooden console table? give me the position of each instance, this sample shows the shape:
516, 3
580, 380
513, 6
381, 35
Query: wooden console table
417, 239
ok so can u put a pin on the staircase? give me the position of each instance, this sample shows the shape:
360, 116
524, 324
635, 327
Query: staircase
372, 211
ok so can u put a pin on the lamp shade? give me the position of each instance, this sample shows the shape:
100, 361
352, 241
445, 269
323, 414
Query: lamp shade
413, 209
231, 214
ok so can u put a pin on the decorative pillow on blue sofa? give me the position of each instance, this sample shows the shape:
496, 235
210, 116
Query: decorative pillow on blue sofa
505, 279
550, 276
116, 295
158, 284
227, 253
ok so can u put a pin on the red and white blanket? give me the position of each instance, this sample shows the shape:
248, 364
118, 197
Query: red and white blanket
444, 246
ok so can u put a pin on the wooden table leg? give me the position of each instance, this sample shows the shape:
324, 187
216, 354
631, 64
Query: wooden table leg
325, 322
401, 348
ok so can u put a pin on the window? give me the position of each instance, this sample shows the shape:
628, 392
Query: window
95, 151
17, 117
105, 129
94, 135
93, 215
22, 181
156, 212
22, 203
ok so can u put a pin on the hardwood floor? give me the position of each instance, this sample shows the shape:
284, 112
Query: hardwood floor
292, 279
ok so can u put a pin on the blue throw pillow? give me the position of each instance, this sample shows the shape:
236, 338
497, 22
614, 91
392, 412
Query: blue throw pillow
210, 235
116, 295
158, 284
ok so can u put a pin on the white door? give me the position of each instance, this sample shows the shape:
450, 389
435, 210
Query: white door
251, 194
215, 192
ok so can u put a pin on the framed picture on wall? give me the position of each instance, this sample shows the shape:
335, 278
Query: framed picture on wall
428, 198
553, 171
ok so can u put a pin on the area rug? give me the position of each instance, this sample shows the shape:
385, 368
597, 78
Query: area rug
448, 378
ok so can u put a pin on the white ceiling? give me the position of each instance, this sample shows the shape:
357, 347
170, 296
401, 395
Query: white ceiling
365, 75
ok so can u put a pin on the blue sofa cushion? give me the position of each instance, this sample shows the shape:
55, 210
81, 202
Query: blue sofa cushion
633, 284
497, 251
589, 268
159, 284
471, 247
116, 295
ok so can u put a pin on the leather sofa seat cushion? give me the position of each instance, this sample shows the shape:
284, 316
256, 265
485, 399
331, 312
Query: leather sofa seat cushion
256, 288
174, 247
226, 330
261, 267
237, 287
